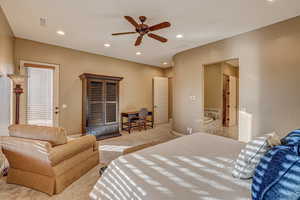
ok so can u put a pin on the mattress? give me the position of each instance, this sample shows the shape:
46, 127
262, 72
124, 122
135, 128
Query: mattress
197, 166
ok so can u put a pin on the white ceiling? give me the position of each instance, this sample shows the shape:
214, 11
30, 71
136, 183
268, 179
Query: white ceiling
89, 23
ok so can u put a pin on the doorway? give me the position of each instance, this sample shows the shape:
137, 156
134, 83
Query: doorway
221, 97
40, 101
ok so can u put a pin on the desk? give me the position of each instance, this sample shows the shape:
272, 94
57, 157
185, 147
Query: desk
131, 116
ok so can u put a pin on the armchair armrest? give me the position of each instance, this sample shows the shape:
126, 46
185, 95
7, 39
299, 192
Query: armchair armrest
73, 147
36, 149
27, 154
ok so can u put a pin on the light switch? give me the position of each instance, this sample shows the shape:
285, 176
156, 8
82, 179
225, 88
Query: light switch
64, 106
193, 98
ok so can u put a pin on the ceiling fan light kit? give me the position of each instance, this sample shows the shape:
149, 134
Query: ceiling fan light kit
143, 29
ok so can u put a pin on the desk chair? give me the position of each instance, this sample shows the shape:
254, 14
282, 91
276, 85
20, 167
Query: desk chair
142, 121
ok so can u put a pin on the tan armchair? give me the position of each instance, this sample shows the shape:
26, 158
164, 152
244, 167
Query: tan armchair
43, 159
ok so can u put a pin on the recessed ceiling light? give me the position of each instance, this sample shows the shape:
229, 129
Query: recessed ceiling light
179, 36
271, 1
165, 63
107, 45
60, 32
138, 53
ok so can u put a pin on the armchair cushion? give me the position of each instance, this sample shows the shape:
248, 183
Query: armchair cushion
55, 136
73, 147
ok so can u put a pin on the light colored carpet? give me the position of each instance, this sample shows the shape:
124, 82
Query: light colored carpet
114, 147
79, 190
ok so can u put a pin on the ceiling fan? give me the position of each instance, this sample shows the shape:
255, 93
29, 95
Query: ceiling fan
144, 29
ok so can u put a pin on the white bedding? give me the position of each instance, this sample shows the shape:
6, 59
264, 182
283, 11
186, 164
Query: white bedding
191, 167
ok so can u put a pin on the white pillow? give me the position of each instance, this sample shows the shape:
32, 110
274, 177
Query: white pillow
250, 156
3, 163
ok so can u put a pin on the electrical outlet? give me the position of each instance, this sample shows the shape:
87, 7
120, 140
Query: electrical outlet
189, 131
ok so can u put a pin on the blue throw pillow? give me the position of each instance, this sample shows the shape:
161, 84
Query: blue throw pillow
277, 177
292, 138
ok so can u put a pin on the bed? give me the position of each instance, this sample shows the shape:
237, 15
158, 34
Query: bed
197, 166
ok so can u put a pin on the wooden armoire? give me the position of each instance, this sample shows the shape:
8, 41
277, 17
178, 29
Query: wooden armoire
100, 105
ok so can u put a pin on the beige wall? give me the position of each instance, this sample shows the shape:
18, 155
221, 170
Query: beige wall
269, 79
213, 87
135, 88
168, 72
6, 67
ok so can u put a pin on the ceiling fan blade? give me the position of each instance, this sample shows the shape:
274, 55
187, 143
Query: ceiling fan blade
132, 21
138, 40
160, 26
124, 33
157, 37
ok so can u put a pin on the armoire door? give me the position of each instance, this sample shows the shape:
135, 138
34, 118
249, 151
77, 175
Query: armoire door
111, 102
95, 105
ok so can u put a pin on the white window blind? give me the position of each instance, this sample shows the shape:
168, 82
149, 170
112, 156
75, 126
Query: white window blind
39, 105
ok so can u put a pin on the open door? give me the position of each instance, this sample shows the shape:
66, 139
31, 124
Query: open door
225, 113
229, 101
232, 101
160, 100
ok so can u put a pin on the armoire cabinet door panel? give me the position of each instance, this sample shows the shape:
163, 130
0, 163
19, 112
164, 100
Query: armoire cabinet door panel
111, 91
96, 114
95, 91
111, 112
